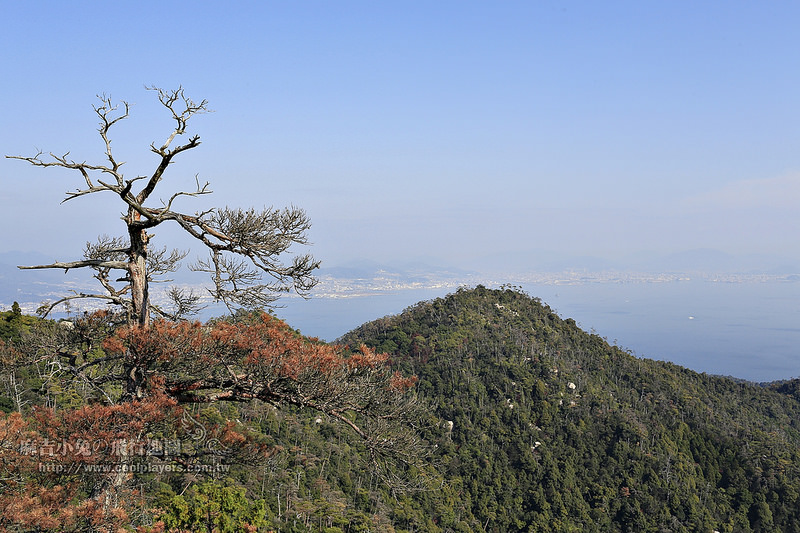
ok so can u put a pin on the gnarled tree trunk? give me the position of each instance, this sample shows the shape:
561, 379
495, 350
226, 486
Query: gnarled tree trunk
137, 272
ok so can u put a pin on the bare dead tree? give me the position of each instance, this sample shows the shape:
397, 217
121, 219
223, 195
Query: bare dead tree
247, 247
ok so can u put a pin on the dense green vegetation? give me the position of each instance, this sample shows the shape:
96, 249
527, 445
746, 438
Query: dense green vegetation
533, 425
13, 323
555, 430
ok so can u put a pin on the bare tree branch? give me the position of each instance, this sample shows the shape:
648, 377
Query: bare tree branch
185, 303
244, 244
46, 308
80, 264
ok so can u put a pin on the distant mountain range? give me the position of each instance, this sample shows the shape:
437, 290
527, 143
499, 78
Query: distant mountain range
358, 277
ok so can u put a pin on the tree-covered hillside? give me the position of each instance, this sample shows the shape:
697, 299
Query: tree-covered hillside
545, 427
529, 423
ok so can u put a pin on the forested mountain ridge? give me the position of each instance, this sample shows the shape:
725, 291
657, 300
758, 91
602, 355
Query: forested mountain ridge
531, 425
549, 428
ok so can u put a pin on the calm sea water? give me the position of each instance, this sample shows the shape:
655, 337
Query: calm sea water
750, 330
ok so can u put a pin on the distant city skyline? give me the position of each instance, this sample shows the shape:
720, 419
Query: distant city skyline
453, 131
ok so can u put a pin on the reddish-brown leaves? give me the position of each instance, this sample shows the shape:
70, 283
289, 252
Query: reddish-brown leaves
47, 460
368, 358
400, 383
258, 357
256, 351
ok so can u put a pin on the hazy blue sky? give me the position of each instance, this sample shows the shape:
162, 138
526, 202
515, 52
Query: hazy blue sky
452, 130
